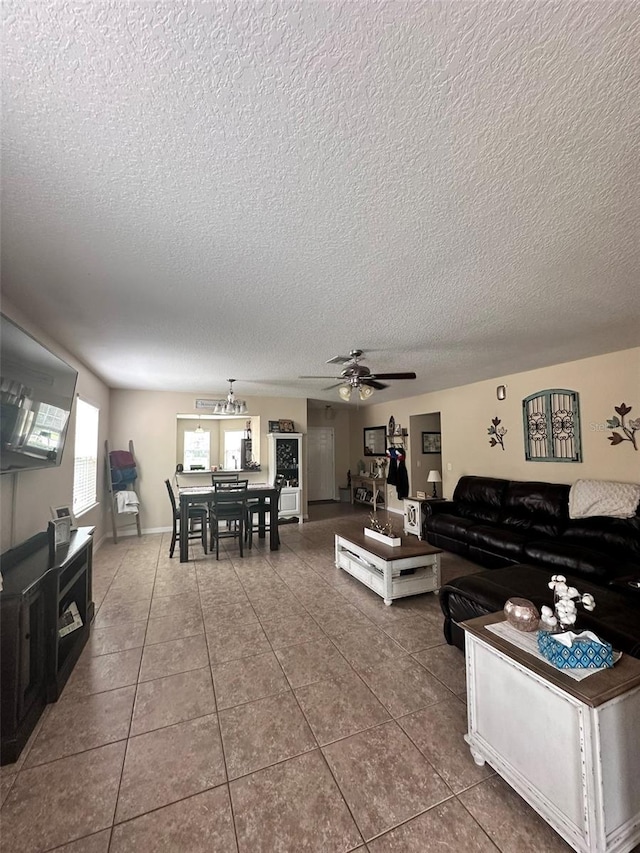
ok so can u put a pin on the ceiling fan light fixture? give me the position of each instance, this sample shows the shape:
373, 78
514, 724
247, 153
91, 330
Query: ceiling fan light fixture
345, 392
365, 391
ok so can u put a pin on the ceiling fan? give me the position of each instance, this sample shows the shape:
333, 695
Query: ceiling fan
357, 376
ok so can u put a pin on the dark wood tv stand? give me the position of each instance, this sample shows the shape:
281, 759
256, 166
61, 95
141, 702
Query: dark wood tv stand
35, 662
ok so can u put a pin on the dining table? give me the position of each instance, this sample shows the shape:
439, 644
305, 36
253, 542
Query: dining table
265, 494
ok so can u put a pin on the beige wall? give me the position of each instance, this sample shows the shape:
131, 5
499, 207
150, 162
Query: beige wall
26, 497
466, 412
148, 418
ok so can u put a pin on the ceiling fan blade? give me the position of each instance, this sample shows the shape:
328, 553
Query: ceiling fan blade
372, 382
410, 375
331, 387
317, 377
339, 359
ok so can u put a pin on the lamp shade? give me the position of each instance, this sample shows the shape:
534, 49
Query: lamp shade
434, 477
345, 392
365, 391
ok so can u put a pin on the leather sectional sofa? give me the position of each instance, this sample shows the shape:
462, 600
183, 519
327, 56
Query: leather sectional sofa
504, 522
523, 533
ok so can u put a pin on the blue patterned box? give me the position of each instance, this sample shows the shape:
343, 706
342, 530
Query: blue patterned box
583, 653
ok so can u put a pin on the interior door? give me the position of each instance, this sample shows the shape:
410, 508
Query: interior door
321, 469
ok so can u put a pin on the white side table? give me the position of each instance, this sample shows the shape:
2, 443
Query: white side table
415, 512
570, 748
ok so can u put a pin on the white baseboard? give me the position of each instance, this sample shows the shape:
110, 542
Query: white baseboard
133, 532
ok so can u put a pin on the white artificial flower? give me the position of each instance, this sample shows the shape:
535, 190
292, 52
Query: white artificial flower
572, 592
561, 588
546, 611
588, 601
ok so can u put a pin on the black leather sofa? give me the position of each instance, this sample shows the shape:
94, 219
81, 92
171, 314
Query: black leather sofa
499, 523
523, 533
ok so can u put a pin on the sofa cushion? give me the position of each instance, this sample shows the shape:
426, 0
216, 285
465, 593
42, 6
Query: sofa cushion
479, 498
560, 555
620, 536
498, 540
452, 526
538, 507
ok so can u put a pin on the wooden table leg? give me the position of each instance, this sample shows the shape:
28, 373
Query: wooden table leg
184, 529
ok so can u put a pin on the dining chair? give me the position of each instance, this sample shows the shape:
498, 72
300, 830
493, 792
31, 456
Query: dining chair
254, 509
196, 513
229, 504
226, 477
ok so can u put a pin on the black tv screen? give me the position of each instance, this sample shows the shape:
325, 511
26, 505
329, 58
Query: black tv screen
37, 389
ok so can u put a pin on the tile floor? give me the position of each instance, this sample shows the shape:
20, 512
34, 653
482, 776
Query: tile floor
270, 704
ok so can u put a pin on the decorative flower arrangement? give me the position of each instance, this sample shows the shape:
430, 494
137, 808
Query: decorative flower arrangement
564, 603
385, 529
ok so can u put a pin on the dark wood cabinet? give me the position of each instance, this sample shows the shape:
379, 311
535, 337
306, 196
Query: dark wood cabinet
35, 661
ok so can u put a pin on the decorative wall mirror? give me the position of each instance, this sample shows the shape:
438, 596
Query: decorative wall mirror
375, 441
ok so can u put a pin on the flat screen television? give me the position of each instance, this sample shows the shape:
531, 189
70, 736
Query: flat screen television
37, 390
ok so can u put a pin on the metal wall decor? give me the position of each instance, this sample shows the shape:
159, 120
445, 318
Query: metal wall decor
552, 426
496, 433
627, 431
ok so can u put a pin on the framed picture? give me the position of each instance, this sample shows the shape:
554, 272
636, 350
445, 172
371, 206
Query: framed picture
63, 512
375, 441
274, 426
431, 442
286, 426
60, 532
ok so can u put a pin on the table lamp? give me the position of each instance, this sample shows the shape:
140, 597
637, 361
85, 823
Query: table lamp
434, 477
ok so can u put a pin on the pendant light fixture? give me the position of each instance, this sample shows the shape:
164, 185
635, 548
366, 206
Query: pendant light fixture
233, 406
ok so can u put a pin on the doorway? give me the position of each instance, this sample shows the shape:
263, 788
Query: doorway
426, 453
321, 466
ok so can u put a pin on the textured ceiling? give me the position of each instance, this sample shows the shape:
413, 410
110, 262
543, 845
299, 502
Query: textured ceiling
193, 190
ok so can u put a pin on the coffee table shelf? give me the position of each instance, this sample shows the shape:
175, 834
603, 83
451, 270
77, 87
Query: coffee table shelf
391, 572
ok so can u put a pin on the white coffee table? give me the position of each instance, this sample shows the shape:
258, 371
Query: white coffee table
391, 572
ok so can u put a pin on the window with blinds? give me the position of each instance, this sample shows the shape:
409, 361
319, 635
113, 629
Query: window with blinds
552, 426
85, 469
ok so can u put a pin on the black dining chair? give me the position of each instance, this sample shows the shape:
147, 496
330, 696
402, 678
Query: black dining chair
197, 514
229, 505
254, 509
224, 477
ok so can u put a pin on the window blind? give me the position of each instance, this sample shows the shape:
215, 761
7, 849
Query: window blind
85, 468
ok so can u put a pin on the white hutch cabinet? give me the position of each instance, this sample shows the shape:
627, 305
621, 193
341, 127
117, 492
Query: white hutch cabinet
285, 457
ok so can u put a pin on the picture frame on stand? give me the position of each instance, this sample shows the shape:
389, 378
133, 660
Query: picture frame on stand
63, 512
59, 533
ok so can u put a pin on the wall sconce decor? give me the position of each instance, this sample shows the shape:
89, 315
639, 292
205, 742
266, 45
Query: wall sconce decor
501, 392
